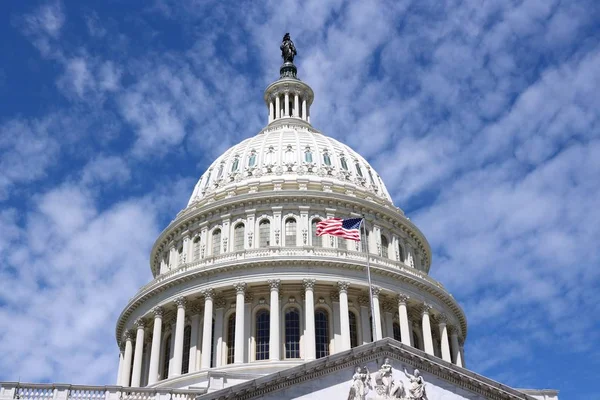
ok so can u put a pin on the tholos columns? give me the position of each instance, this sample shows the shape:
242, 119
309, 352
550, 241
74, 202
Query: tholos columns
304, 107
238, 355
286, 105
274, 344
126, 371
427, 338
137, 355
344, 318
277, 106
178, 346
155, 350
445, 344
207, 328
403, 319
376, 314
271, 110
456, 355
309, 306
296, 105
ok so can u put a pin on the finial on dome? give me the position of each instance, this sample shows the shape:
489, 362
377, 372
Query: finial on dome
288, 52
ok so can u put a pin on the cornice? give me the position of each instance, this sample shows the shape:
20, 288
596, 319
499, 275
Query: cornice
404, 275
373, 211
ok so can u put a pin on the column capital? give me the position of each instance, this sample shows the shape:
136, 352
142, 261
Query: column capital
240, 287
220, 303
158, 312
375, 290
441, 319
402, 299
452, 330
181, 302
274, 284
309, 284
128, 335
343, 286
363, 301
208, 293
426, 308
139, 323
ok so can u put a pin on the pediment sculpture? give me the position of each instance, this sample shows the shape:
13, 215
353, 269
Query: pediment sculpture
383, 386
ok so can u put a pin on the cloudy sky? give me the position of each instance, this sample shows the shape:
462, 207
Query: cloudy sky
483, 118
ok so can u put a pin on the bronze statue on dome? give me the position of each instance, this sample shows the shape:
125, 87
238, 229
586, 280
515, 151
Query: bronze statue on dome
288, 50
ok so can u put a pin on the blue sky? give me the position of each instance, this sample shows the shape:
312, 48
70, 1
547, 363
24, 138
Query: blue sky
483, 118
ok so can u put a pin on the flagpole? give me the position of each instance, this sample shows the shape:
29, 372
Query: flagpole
365, 246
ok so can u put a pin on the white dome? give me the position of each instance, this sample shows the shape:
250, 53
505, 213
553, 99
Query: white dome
289, 152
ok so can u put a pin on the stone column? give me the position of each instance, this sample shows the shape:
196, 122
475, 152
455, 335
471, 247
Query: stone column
277, 106
377, 314
186, 257
195, 325
344, 316
138, 353
309, 342
178, 346
296, 105
156, 340
120, 370
271, 110
462, 354
286, 105
388, 310
219, 315
456, 356
403, 319
128, 337
445, 344
274, 343
337, 329
365, 324
427, 338
238, 355
304, 107
207, 328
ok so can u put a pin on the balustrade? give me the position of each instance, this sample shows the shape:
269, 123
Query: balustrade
34, 391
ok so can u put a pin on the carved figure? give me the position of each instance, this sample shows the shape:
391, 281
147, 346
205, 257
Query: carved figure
417, 386
361, 383
397, 390
384, 378
288, 50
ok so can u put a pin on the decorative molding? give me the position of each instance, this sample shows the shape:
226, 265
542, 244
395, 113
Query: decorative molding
363, 301
335, 296
274, 283
139, 323
343, 286
309, 284
158, 312
180, 302
403, 299
208, 293
375, 290
240, 287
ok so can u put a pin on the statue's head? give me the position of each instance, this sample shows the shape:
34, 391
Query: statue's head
417, 373
286, 37
358, 370
386, 360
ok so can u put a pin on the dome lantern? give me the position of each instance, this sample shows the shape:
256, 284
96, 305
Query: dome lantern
288, 97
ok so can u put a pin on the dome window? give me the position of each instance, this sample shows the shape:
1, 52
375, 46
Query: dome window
252, 159
207, 178
308, 155
326, 159
220, 171
371, 176
236, 164
344, 164
358, 169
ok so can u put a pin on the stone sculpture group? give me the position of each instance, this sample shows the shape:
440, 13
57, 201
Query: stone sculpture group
385, 387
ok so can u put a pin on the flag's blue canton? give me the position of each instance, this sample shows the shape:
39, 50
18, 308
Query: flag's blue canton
352, 223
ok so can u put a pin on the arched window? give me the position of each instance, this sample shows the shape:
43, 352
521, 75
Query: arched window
252, 159
308, 155
264, 232
416, 341
400, 252
326, 158
187, 342
196, 246
236, 164
292, 333
290, 232
230, 338
316, 240
384, 247
358, 169
353, 329
322, 333
238, 236
216, 242
344, 164
262, 335
166, 357
397, 331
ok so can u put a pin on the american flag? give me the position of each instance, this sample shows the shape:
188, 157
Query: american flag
346, 228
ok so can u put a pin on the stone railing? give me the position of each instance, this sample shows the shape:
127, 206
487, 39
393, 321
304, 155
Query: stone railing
43, 391
300, 252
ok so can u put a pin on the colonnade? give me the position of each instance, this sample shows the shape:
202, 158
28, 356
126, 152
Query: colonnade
141, 356
289, 103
